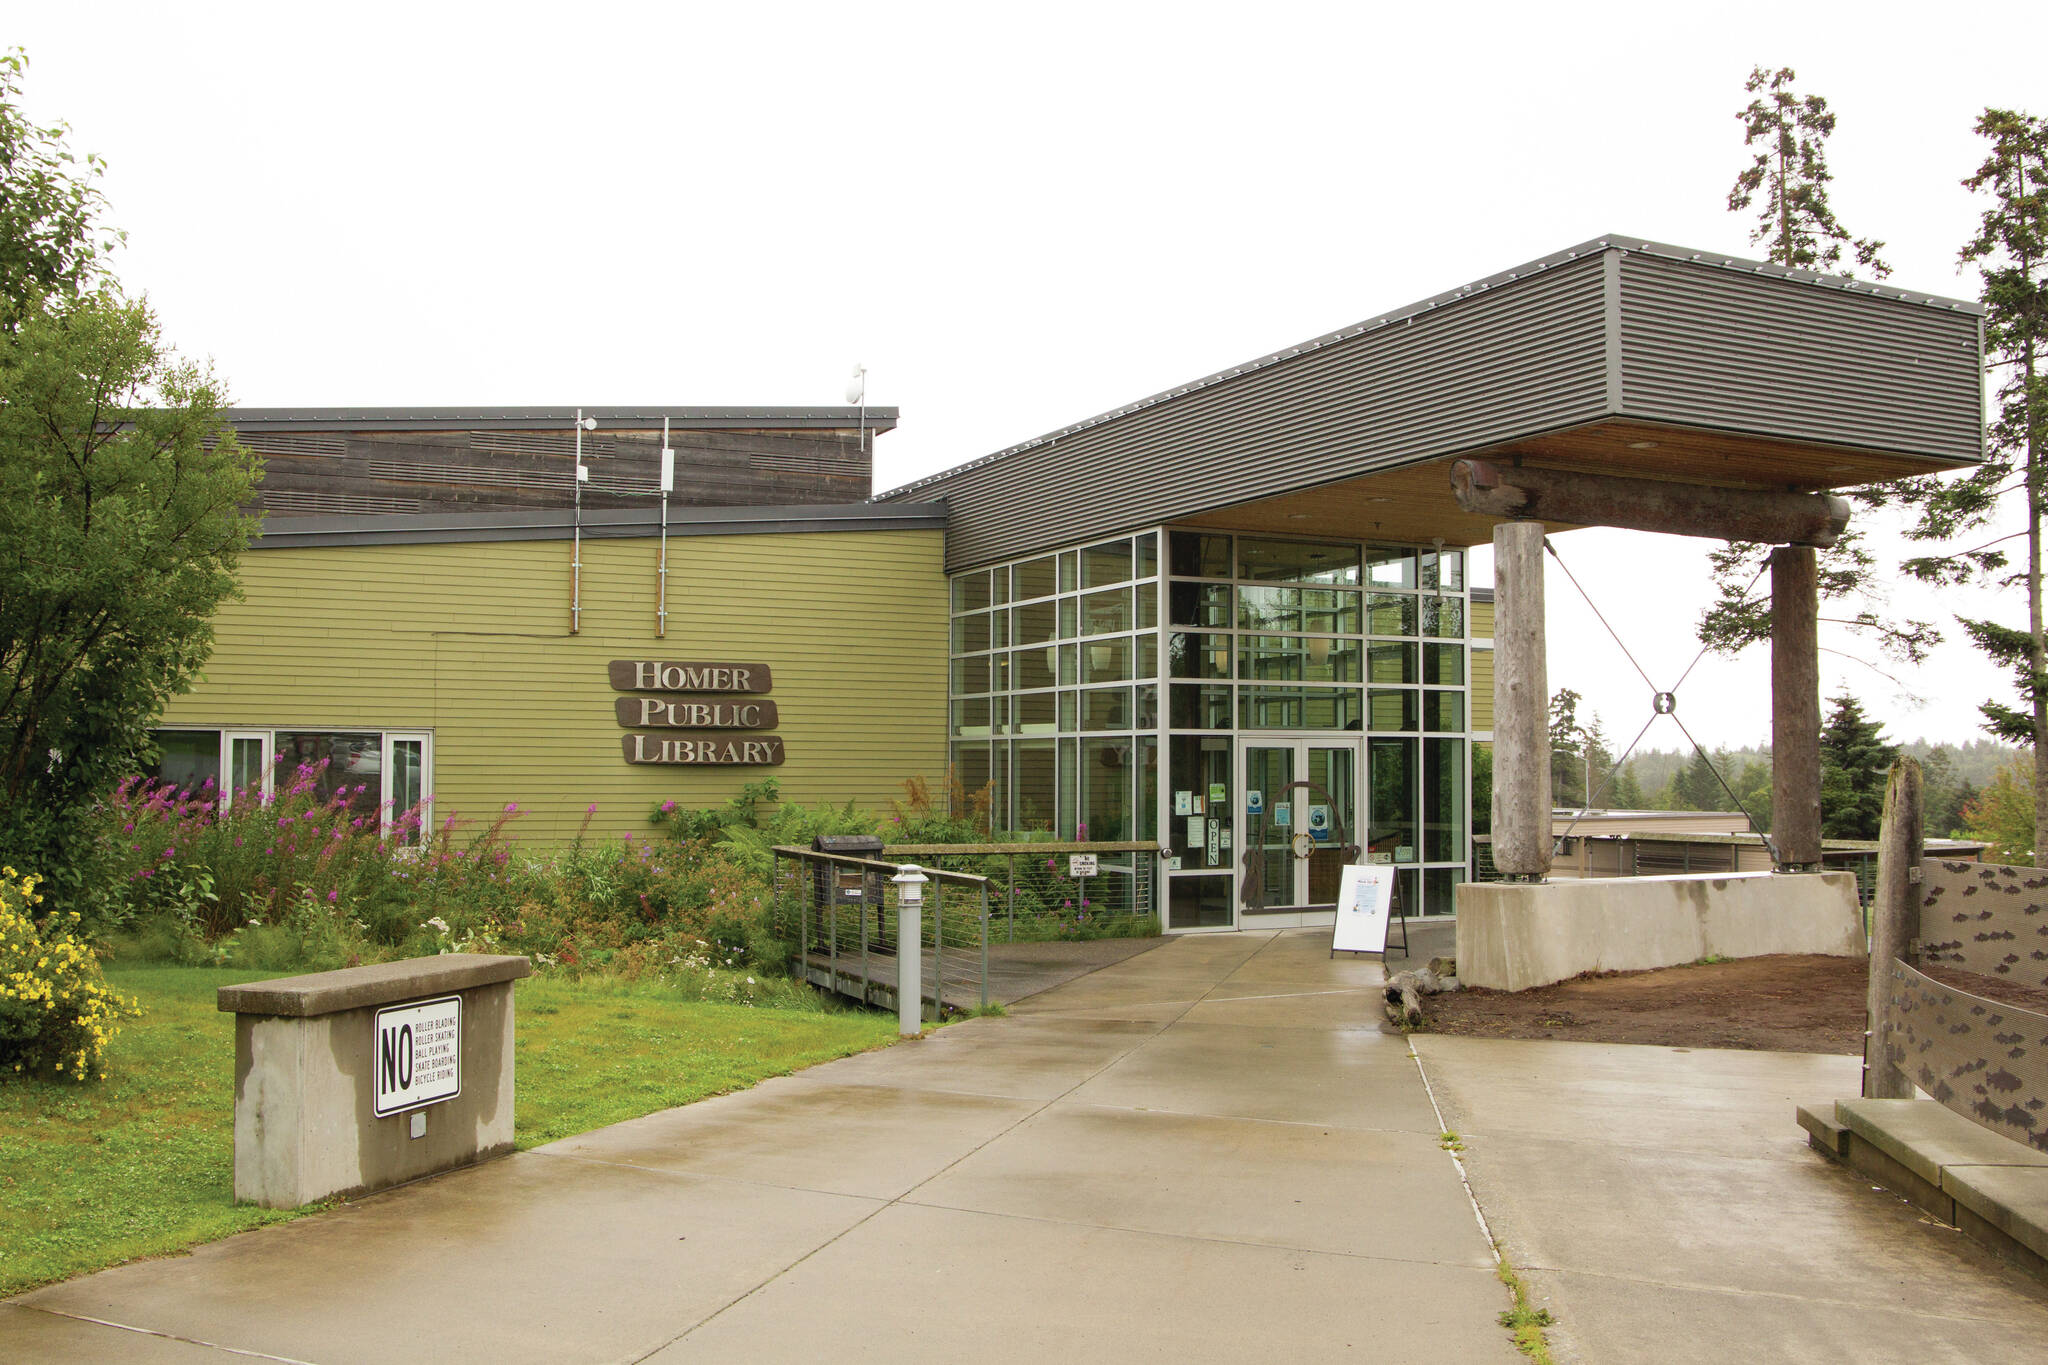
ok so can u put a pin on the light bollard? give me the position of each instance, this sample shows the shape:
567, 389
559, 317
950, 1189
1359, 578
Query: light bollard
909, 880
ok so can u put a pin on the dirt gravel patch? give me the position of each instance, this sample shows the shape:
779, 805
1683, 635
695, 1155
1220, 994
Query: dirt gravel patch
1773, 1004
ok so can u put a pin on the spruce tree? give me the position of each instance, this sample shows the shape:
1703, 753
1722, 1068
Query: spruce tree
1699, 784
1854, 761
2010, 249
1789, 168
1786, 182
1567, 751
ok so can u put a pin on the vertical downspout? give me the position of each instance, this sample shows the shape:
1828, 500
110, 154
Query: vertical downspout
668, 478
576, 547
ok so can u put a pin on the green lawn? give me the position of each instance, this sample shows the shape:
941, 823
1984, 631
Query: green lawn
142, 1163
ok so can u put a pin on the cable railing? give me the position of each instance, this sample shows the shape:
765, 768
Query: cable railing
1041, 890
845, 914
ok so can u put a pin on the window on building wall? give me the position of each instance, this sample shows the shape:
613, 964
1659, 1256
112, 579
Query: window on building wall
375, 773
188, 759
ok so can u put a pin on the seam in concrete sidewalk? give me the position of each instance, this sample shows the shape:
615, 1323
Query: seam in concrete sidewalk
1456, 1160
904, 1198
167, 1336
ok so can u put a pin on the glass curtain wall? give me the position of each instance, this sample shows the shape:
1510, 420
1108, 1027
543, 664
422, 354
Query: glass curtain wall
1072, 672
1055, 691
1265, 633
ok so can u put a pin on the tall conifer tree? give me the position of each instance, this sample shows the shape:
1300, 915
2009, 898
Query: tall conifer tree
1854, 761
2010, 250
1786, 184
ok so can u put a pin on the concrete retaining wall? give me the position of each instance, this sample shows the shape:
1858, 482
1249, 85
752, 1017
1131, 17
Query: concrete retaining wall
305, 1126
1512, 936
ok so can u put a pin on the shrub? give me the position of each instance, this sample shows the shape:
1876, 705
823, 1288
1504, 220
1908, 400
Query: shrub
56, 1014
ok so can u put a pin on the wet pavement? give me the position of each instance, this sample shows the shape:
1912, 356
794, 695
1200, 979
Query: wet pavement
1208, 1151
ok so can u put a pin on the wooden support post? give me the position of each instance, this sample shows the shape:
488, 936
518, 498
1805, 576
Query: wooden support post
1894, 920
1795, 709
1521, 705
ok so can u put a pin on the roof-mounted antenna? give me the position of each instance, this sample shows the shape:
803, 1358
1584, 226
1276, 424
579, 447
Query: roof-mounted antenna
857, 394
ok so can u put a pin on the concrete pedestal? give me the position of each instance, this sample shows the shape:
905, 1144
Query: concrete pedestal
1515, 936
305, 1053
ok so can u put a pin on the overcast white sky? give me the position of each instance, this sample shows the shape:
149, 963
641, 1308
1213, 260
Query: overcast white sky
1016, 216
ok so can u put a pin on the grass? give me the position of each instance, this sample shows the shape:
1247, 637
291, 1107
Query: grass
598, 1052
1525, 1324
142, 1164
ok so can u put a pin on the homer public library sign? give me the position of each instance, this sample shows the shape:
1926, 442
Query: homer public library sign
669, 695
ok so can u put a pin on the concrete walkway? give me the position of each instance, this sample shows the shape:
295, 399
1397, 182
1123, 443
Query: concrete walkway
1665, 1206
1207, 1152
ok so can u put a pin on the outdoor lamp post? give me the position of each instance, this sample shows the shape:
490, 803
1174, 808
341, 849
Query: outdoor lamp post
910, 880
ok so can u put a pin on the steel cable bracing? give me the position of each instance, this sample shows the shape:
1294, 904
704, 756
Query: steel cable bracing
1664, 702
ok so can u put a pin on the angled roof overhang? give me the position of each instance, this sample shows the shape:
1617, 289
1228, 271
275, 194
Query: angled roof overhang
1616, 356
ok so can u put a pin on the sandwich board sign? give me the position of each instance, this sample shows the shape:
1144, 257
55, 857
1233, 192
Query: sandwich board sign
1365, 900
417, 1055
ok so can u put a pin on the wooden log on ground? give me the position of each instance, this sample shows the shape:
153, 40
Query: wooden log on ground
1894, 921
1680, 509
1795, 708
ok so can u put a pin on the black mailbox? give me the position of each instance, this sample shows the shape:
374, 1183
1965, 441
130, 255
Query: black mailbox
854, 886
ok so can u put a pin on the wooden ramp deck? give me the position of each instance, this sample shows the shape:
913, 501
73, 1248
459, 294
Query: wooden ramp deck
1015, 970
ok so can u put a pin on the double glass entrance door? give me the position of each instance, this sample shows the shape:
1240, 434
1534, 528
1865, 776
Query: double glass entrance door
1300, 826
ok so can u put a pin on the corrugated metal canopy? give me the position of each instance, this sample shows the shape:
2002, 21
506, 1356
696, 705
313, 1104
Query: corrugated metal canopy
1619, 355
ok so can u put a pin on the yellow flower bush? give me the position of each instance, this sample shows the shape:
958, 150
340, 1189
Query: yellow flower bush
56, 1014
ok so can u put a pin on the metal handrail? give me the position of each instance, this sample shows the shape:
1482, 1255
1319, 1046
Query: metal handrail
855, 954
1038, 846
878, 865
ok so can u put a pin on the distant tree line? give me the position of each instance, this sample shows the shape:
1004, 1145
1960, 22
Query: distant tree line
1855, 756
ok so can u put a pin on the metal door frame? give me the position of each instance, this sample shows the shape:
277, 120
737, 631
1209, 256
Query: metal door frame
1301, 741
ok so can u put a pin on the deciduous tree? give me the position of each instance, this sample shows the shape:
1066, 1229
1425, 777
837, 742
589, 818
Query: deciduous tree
120, 523
50, 243
2003, 815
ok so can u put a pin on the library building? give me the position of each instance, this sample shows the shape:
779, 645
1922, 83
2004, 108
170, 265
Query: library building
1234, 619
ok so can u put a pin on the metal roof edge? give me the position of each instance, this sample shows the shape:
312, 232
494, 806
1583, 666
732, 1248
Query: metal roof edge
597, 524
1594, 247
615, 418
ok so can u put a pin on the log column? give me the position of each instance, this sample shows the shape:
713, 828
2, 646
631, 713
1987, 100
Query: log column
1795, 708
1521, 705
1894, 921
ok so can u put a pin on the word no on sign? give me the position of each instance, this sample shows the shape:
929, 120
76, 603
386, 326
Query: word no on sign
418, 1056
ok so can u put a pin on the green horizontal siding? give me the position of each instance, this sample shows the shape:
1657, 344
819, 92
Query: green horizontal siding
471, 641
1482, 668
